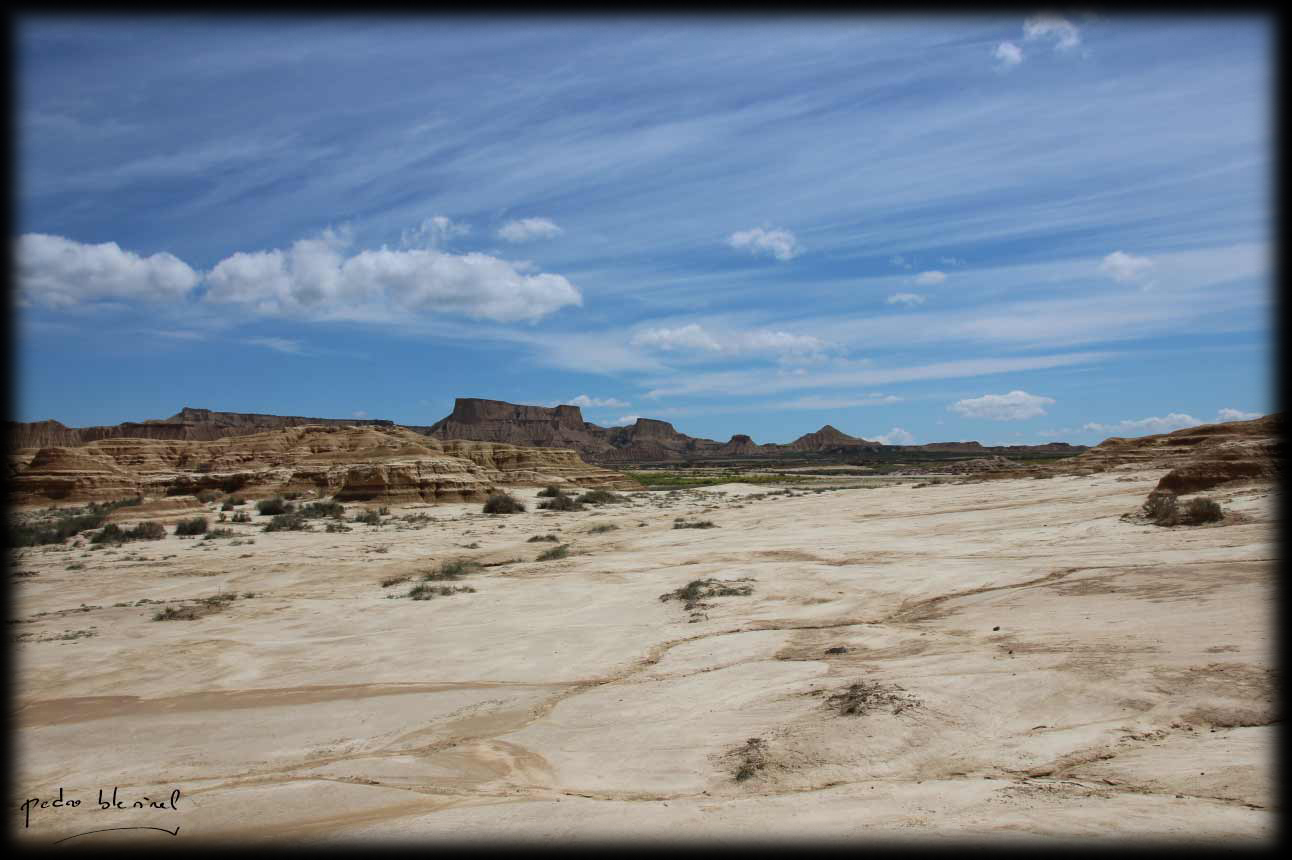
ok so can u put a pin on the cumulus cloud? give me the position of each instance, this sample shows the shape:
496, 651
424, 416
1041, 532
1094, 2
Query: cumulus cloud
527, 229
1145, 426
907, 299
315, 279
584, 401
928, 279
1236, 415
1008, 54
781, 244
60, 273
624, 420
1047, 26
1014, 406
434, 232
694, 338
1124, 267
896, 436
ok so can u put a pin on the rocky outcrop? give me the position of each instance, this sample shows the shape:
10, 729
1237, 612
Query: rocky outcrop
370, 462
186, 425
827, 439
1197, 458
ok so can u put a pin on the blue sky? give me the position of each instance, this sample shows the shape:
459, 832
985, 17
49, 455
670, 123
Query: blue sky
1015, 228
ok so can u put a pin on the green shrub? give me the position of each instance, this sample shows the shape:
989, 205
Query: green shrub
503, 503
700, 524
270, 507
601, 528
337, 527
371, 518
241, 517
195, 526
219, 533
554, 553
550, 491
560, 503
537, 538
422, 591
208, 495
292, 521
455, 569
1202, 510
148, 530
111, 533
323, 509
601, 497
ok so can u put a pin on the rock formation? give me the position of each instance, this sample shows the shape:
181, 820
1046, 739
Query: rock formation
352, 463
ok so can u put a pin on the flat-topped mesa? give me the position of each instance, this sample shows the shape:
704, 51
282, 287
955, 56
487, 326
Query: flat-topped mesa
187, 424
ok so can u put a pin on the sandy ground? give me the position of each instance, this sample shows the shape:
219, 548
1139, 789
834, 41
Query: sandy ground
1035, 667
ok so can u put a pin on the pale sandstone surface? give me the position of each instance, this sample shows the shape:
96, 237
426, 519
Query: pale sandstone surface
1128, 692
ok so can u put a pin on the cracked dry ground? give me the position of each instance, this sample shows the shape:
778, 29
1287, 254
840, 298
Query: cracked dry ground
1063, 672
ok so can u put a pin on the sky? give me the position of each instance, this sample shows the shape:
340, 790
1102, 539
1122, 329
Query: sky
1015, 229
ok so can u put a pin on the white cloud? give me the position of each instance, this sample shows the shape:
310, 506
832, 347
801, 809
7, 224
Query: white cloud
1014, 406
1008, 54
781, 244
817, 402
624, 420
1046, 26
527, 229
896, 436
1124, 267
694, 338
928, 279
687, 337
584, 401
1145, 426
314, 279
359, 414
61, 273
1236, 415
907, 299
433, 233
278, 344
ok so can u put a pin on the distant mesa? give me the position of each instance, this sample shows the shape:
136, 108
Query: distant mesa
647, 440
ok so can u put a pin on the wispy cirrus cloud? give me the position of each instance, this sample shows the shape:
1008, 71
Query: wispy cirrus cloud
529, 229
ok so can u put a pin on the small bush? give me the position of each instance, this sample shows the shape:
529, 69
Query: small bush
601, 528
550, 491
451, 570
554, 553
208, 495
324, 509
700, 524
233, 502
394, 580
270, 507
537, 538
601, 497
503, 503
147, 531
1202, 510
383, 511
1162, 508
753, 758
219, 533
423, 591
371, 518
111, 533
337, 527
560, 503
241, 517
292, 521
195, 526
227, 506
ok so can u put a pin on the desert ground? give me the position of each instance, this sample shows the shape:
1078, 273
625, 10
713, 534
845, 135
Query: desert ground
1005, 660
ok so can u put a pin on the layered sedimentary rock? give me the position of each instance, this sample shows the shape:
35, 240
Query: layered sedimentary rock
371, 462
828, 439
1198, 457
186, 425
